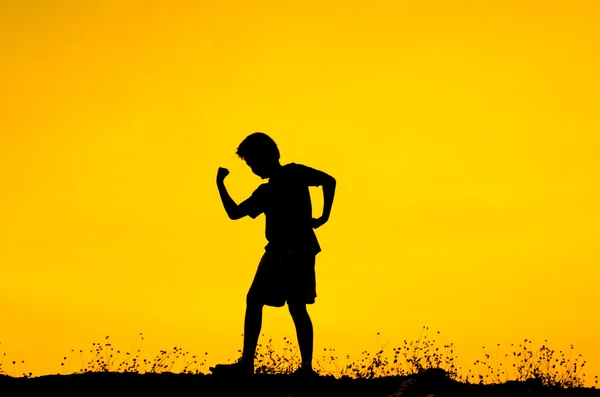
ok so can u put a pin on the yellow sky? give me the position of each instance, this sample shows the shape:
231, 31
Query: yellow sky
463, 135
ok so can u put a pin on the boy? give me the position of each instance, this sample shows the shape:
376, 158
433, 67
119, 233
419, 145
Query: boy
286, 272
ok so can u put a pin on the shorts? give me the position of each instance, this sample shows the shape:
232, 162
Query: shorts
283, 277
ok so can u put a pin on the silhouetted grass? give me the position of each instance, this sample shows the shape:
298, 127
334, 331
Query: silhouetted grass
413, 368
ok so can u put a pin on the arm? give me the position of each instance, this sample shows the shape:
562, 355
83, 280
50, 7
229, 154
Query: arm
230, 206
329, 183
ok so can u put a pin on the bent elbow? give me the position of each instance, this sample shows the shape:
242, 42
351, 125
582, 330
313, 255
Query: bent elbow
234, 215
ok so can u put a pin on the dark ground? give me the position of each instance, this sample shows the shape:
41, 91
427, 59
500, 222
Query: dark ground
167, 384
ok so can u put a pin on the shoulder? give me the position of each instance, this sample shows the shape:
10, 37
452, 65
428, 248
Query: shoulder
295, 168
302, 170
308, 175
261, 189
294, 171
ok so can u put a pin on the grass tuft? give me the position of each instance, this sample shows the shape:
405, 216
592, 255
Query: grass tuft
522, 363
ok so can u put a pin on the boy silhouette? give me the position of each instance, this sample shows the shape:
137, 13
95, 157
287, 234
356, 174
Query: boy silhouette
286, 271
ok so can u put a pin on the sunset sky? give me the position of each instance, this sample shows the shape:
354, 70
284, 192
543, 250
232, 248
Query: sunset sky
464, 137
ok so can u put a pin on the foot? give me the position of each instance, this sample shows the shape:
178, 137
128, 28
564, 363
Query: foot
241, 368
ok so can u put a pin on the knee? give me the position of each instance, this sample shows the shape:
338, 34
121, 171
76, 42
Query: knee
297, 310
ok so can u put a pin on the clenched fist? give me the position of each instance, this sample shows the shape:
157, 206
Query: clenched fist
221, 174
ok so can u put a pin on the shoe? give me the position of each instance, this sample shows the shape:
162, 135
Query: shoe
239, 368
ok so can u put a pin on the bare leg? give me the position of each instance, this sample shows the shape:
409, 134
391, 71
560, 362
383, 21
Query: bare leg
304, 332
252, 326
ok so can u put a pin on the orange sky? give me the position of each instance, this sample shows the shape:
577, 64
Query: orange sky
463, 135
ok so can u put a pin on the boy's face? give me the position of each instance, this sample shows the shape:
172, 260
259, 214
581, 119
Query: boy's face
259, 167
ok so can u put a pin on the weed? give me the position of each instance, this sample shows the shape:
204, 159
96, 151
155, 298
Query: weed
543, 364
550, 368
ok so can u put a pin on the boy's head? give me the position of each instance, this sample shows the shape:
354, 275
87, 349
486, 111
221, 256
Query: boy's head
260, 153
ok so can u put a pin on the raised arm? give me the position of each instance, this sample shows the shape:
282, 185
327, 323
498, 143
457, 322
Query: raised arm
232, 209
